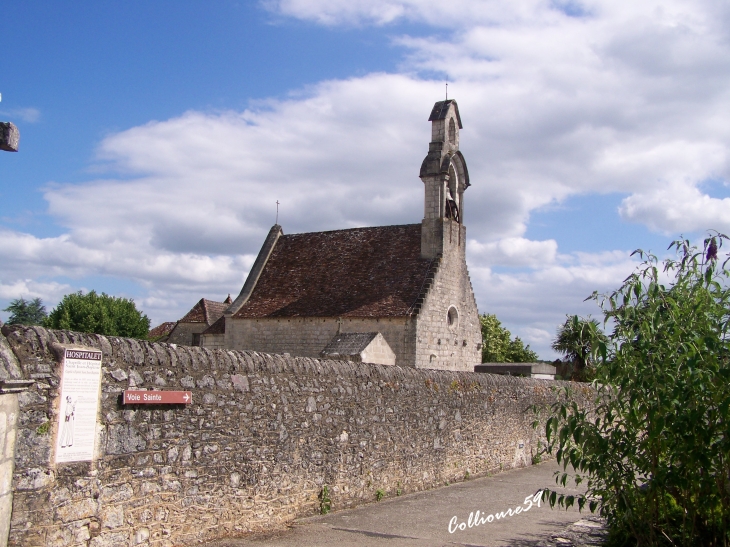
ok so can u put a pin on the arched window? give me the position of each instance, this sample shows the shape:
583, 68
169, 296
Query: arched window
452, 131
452, 318
452, 195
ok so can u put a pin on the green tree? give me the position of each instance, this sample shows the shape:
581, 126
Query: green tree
655, 450
26, 312
100, 314
498, 346
574, 340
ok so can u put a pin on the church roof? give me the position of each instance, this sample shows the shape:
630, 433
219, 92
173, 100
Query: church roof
361, 272
349, 343
206, 311
441, 109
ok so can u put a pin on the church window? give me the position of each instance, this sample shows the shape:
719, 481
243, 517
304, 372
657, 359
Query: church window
452, 318
452, 131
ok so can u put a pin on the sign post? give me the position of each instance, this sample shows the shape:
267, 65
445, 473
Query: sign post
144, 397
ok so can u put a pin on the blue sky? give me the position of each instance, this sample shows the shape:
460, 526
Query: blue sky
157, 137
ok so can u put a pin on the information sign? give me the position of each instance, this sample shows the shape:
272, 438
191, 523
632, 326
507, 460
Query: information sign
79, 405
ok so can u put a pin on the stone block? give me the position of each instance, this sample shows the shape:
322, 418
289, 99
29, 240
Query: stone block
9, 137
124, 439
115, 539
77, 510
112, 517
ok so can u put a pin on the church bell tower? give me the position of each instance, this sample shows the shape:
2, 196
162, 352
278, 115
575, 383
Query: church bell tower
445, 178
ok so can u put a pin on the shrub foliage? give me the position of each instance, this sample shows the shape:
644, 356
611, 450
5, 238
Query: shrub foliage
655, 451
100, 314
498, 346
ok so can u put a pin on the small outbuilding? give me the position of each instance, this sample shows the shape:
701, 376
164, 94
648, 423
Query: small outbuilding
359, 347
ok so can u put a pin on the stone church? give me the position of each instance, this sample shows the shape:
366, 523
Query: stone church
389, 294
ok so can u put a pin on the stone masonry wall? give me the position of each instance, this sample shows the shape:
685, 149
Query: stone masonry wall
308, 336
183, 333
264, 434
439, 345
213, 341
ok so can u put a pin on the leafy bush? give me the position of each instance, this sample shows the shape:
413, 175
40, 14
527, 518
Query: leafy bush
100, 314
497, 345
655, 452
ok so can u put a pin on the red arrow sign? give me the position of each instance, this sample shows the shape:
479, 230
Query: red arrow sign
142, 397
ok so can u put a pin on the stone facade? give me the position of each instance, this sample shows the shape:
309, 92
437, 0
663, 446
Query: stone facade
186, 334
448, 332
263, 436
409, 282
307, 336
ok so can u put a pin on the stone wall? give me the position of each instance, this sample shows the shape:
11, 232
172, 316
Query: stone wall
264, 434
308, 336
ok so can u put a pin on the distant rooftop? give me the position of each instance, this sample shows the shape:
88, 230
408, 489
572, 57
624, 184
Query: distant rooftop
161, 330
206, 311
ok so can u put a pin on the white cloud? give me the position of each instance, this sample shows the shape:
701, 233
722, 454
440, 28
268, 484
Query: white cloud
28, 115
677, 208
556, 99
514, 251
30, 288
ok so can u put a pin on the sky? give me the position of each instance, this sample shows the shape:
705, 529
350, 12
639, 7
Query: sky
157, 137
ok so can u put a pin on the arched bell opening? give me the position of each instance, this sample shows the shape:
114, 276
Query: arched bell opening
452, 196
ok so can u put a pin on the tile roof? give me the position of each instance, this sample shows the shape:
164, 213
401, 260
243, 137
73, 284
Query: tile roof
348, 343
161, 330
206, 311
361, 272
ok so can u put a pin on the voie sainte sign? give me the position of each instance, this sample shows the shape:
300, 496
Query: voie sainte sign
143, 397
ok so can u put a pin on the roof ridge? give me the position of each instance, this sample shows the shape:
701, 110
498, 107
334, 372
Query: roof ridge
353, 229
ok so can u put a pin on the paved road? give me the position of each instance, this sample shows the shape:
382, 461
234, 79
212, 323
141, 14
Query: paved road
423, 519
